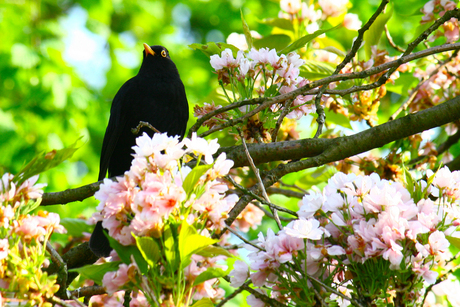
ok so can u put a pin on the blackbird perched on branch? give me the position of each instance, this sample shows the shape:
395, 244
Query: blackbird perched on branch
156, 95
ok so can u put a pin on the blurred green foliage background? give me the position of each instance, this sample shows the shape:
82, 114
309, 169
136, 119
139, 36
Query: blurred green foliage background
61, 63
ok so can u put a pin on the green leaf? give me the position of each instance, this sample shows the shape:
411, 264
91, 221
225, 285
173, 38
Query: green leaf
190, 242
213, 251
125, 253
275, 41
454, 241
210, 273
204, 302
194, 176
335, 50
149, 249
337, 118
403, 84
301, 42
281, 23
313, 70
373, 34
76, 227
30, 206
246, 31
212, 48
45, 161
170, 246
97, 271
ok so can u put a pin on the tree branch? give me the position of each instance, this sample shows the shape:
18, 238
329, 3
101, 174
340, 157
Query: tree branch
344, 147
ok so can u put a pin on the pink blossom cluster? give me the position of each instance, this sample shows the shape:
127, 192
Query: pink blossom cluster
152, 191
434, 9
437, 85
156, 191
22, 237
12, 195
310, 14
12, 217
263, 72
209, 288
357, 220
117, 299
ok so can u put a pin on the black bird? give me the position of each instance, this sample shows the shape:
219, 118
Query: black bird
155, 95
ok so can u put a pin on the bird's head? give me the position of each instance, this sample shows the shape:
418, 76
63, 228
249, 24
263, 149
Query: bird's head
155, 51
157, 61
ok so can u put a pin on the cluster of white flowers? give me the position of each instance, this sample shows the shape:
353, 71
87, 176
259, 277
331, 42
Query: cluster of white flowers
357, 218
152, 190
264, 72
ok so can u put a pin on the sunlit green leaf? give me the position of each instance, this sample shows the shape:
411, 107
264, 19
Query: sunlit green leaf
45, 161
76, 227
97, 271
301, 42
373, 34
194, 176
275, 41
149, 249
212, 48
210, 273
337, 118
213, 251
454, 241
246, 31
281, 23
125, 253
170, 246
204, 302
191, 242
313, 70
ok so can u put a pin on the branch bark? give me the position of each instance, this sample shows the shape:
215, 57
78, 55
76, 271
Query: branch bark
321, 151
344, 147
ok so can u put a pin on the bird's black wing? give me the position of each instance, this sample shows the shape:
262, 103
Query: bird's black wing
116, 124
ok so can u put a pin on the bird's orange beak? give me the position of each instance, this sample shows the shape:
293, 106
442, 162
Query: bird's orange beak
148, 50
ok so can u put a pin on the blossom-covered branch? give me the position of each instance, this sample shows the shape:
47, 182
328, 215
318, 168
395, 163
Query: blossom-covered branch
343, 147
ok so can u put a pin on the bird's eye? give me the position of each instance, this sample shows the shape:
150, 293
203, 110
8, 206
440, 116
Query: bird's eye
163, 53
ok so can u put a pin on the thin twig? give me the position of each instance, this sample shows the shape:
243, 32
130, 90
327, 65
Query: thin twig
142, 124
412, 45
61, 270
256, 172
288, 193
451, 140
283, 114
258, 198
334, 291
303, 191
406, 104
268, 301
269, 214
243, 239
57, 300
229, 297
390, 40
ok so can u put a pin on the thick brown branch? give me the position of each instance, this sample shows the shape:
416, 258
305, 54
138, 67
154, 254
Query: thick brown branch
70, 195
310, 148
344, 147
